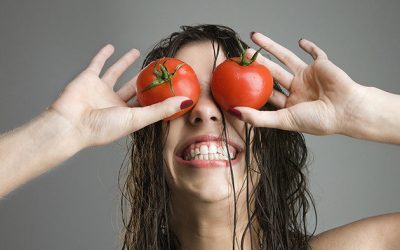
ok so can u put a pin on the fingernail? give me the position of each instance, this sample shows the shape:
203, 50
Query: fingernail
235, 112
301, 39
252, 33
186, 104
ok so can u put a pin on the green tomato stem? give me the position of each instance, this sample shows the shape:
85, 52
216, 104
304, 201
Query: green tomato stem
162, 77
243, 61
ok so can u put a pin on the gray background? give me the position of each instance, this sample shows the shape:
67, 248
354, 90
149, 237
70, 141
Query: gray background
45, 43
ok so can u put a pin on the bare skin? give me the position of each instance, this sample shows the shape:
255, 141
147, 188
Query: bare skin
323, 100
202, 199
87, 113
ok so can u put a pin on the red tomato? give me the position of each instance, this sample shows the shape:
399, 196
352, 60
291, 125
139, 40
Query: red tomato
241, 85
164, 78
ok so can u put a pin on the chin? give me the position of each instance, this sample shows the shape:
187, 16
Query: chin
204, 184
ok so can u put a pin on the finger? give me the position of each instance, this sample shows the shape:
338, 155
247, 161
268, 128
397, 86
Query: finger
278, 99
312, 49
133, 103
283, 54
280, 74
100, 58
143, 116
117, 69
280, 119
128, 90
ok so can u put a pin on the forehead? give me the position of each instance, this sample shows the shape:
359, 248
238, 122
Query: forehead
200, 56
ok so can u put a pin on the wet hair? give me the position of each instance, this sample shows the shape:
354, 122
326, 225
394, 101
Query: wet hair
281, 197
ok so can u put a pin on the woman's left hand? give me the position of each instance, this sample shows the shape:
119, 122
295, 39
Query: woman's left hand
322, 97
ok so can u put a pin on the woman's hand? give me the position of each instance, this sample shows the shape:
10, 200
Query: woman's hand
97, 113
322, 97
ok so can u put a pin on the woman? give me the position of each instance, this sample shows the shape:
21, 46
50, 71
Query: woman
202, 204
174, 206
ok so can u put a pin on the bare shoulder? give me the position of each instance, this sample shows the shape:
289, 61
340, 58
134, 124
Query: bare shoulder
377, 232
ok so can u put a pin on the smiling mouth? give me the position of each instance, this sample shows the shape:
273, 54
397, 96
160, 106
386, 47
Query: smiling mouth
207, 164
208, 157
209, 151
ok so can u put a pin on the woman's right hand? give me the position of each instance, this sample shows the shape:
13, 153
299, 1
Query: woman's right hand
99, 115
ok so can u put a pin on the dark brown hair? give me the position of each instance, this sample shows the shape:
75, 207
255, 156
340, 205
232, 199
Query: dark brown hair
281, 196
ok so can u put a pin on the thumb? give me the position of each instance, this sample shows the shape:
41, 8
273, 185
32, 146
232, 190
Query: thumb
279, 119
143, 116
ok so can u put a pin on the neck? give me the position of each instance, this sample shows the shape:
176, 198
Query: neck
209, 225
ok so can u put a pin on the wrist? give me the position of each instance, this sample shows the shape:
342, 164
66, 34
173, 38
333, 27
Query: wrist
374, 116
62, 130
34, 148
356, 111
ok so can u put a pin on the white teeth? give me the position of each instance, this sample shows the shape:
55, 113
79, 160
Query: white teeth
212, 149
208, 152
208, 156
224, 151
203, 149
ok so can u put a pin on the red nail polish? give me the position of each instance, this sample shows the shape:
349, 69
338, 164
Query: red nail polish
235, 112
186, 104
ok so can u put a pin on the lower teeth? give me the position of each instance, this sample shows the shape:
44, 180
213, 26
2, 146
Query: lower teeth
203, 159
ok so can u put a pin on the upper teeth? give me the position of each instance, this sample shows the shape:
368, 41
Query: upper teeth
208, 151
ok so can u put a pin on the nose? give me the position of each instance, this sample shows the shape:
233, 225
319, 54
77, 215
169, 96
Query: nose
205, 112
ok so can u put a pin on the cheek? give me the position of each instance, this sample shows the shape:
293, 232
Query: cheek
171, 140
237, 125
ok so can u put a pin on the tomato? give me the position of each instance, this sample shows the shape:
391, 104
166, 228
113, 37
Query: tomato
164, 78
239, 82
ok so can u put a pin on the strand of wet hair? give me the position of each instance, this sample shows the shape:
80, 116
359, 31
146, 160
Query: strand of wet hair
247, 158
229, 158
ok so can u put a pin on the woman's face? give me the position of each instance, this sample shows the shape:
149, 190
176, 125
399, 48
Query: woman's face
199, 130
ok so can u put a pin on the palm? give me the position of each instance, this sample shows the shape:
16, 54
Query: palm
97, 114
319, 96
319, 93
90, 104
86, 93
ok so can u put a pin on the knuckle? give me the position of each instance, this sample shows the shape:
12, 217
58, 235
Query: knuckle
279, 75
263, 60
287, 58
168, 111
94, 64
112, 74
124, 62
159, 110
314, 53
255, 122
287, 120
269, 46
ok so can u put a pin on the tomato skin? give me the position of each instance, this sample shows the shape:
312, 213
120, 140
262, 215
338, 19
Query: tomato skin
235, 85
184, 83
